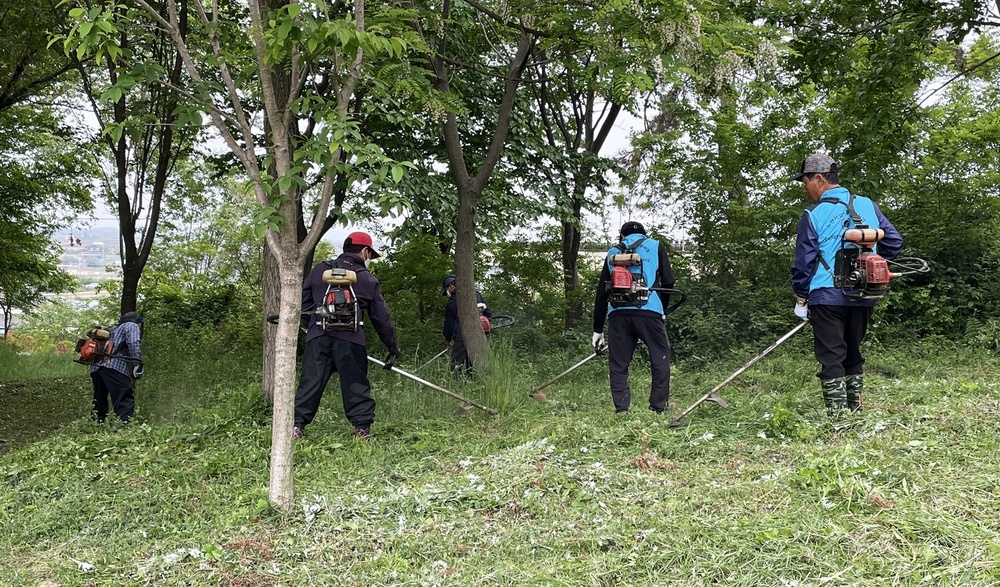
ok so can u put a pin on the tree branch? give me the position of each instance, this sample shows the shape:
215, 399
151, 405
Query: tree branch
514, 25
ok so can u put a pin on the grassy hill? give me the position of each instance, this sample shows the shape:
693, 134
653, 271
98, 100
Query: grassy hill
565, 493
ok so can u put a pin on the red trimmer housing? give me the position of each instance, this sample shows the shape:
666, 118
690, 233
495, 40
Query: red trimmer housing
621, 278
876, 270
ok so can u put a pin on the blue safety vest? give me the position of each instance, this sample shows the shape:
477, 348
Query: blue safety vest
649, 251
830, 217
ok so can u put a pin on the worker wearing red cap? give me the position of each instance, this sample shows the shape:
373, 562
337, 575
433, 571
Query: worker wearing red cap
343, 351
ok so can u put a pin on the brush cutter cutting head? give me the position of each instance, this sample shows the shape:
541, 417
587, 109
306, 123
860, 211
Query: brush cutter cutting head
539, 397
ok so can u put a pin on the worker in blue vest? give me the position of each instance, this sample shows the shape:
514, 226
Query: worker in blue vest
634, 315
839, 320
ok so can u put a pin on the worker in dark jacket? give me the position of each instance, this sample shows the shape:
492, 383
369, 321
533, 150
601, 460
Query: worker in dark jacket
115, 376
839, 320
460, 362
635, 316
343, 350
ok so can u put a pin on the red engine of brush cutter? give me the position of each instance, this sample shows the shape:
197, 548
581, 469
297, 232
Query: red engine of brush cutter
621, 278
876, 270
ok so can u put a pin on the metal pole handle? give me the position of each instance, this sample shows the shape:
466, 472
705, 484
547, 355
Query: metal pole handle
490, 411
559, 376
432, 359
711, 394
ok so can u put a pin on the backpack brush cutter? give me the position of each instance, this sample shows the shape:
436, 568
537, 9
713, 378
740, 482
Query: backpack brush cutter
860, 273
537, 395
462, 409
489, 325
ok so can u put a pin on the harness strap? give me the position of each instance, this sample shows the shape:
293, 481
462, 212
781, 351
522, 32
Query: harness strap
851, 211
855, 217
629, 249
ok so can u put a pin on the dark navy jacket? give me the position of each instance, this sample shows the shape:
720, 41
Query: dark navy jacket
451, 324
819, 236
369, 293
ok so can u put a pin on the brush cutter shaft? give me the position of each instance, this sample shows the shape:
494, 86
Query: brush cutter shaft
711, 394
560, 376
120, 357
682, 297
435, 387
432, 359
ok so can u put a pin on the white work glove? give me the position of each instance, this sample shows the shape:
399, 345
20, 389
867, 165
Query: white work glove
802, 311
598, 341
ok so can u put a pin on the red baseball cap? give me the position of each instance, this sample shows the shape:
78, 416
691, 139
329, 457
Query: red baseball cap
361, 239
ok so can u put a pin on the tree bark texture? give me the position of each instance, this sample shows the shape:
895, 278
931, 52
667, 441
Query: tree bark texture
281, 487
271, 300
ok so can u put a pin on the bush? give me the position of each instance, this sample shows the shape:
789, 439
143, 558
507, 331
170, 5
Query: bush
55, 326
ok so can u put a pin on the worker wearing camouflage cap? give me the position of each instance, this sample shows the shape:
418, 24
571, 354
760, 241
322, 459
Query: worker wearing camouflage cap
839, 321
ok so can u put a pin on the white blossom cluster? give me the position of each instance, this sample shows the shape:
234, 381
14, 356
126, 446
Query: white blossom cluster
435, 113
765, 60
725, 69
502, 8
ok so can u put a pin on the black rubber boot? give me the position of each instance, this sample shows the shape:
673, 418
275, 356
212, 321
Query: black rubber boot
855, 387
835, 396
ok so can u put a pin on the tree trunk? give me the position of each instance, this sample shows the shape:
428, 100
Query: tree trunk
281, 486
571, 267
271, 277
465, 264
470, 189
8, 319
159, 138
271, 301
130, 289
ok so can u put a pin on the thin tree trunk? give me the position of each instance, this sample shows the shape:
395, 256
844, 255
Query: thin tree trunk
465, 263
281, 487
470, 190
271, 301
570, 259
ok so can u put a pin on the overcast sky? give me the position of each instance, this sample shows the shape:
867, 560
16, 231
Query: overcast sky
618, 140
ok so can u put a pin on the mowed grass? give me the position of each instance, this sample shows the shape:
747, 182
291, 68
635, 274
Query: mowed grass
38, 394
564, 493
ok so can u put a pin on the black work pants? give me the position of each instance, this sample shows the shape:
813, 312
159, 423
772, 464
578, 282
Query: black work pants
837, 335
324, 356
625, 330
117, 385
460, 363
